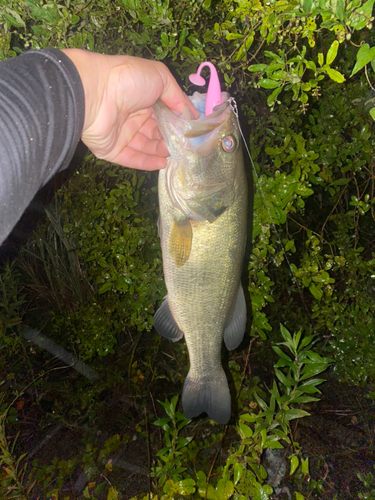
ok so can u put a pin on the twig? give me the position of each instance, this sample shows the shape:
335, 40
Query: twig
217, 454
148, 452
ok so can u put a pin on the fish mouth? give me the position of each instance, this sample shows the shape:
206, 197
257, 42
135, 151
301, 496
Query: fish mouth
182, 132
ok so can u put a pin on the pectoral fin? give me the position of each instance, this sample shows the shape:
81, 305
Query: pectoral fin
180, 241
165, 324
234, 331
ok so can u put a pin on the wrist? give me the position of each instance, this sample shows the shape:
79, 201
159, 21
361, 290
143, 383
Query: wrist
87, 64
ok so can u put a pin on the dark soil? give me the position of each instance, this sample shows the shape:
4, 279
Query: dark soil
338, 438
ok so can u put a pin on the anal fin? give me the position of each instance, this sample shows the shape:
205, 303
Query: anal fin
234, 331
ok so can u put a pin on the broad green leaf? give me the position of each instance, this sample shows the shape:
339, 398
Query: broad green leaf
281, 353
335, 75
255, 68
233, 36
294, 462
311, 65
245, 429
279, 374
372, 113
313, 369
320, 59
310, 385
207, 4
285, 333
299, 496
104, 288
315, 291
224, 489
305, 399
237, 472
248, 418
267, 83
274, 56
305, 465
295, 413
112, 494
332, 52
260, 402
273, 445
306, 6
186, 487
249, 41
364, 55
272, 97
14, 19
340, 9
163, 423
362, 15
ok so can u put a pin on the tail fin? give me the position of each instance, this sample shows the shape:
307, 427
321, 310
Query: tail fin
210, 395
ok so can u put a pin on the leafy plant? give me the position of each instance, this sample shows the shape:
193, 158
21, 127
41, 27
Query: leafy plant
267, 426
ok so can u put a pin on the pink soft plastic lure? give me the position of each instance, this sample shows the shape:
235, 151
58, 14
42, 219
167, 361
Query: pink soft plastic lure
214, 90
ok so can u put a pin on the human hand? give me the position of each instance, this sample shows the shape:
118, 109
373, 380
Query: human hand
119, 94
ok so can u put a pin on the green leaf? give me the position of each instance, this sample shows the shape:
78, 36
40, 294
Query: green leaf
281, 353
305, 465
362, 15
294, 462
364, 55
305, 399
104, 288
245, 429
306, 6
186, 487
279, 374
267, 83
335, 75
340, 9
320, 59
332, 52
313, 369
255, 68
233, 36
260, 402
207, 4
311, 65
295, 413
224, 489
299, 496
372, 113
14, 19
315, 291
272, 97
237, 472
286, 335
112, 494
309, 387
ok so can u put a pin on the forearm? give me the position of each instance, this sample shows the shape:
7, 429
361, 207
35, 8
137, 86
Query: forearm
41, 121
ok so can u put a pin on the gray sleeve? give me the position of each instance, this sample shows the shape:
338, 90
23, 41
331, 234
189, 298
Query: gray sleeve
41, 121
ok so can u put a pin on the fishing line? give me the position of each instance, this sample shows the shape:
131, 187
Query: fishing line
233, 105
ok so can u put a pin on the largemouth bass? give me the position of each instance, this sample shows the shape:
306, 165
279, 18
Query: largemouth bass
202, 226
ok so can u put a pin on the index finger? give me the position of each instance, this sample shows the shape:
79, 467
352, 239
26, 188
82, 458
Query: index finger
173, 97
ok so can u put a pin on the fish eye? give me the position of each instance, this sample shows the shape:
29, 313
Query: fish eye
228, 144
